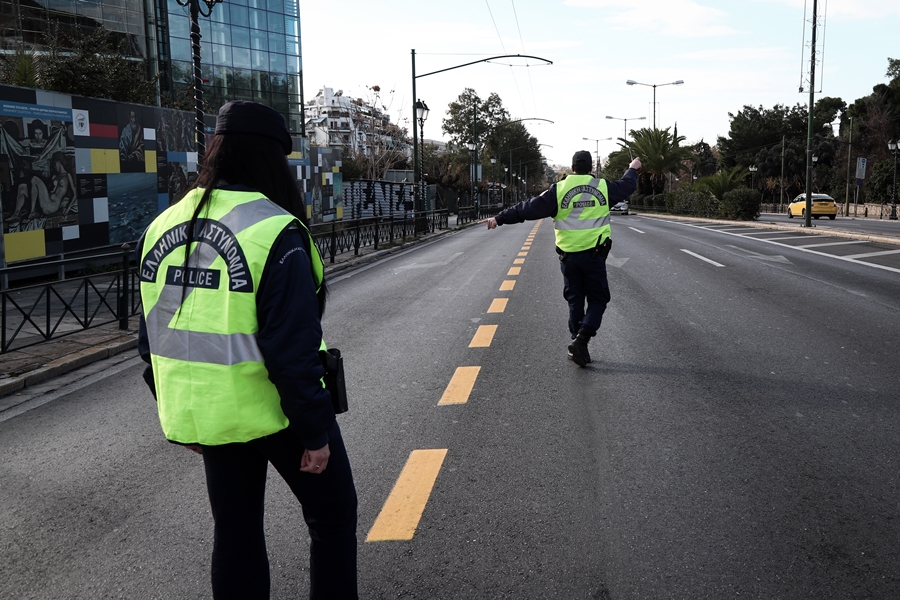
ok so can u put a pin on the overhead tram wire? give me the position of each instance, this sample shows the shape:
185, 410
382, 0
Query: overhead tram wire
522, 42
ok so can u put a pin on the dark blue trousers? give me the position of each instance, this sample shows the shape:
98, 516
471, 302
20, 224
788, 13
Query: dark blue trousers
236, 481
584, 278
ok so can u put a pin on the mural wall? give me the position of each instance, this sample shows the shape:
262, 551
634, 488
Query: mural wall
79, 173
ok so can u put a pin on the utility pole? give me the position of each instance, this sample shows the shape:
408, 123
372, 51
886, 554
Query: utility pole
849, 154
812, 100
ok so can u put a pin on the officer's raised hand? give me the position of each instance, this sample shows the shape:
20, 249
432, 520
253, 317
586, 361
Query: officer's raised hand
635, 164
492, 222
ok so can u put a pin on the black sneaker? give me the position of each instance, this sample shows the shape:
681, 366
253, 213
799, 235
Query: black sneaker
578, 353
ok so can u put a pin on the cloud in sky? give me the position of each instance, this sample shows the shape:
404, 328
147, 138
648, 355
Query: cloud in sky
677, 18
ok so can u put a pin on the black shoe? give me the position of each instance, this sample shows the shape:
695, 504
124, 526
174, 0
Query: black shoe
578, 352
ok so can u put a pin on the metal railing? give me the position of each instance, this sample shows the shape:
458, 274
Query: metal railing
339, 237
33, 314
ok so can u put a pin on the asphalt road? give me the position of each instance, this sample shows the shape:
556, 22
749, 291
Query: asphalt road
870, 226
735, 436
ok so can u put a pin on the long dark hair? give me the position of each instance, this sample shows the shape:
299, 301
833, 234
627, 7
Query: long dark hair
258, 163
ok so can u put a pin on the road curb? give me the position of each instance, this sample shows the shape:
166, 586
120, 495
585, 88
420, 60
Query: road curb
67, 363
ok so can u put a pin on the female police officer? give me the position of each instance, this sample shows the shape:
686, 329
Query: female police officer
232, 291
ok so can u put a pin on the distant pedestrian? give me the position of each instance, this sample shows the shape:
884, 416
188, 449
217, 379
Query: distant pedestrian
233, 292
579, 206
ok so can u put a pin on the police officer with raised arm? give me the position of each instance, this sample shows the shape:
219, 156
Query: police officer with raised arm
579, 206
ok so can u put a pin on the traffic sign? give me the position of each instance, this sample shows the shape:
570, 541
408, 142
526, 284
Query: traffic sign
859, 182
860, 168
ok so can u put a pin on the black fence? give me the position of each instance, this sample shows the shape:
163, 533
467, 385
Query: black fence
35, 313
339, 237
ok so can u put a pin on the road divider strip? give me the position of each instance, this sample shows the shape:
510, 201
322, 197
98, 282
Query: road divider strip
498, 305
399, 517
460, 387
483, 337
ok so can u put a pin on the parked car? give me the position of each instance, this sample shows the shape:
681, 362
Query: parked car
822, 205
621, 208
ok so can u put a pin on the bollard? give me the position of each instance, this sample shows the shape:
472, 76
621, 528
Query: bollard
123, 297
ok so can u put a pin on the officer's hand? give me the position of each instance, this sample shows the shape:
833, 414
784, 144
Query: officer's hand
491, 222
635, 164
315, 461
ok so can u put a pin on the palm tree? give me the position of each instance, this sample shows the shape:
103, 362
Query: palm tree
660, 152
723, 181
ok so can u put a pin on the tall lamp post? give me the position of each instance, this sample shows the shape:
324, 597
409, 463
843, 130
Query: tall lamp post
421, 116
753, 170
493, 162
473, 148
626, 122
200, 127
415, 77
654, 86
894, 147
597, 150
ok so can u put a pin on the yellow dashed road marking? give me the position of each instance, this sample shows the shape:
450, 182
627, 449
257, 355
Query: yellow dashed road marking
400, 515
523, 254
508, 285
514, 270
498, 305
484, 336
460, 387
519, 261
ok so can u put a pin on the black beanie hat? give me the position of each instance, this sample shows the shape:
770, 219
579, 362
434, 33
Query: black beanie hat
582, 158
242, 116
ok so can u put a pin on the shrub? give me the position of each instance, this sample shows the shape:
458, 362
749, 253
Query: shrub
741, 204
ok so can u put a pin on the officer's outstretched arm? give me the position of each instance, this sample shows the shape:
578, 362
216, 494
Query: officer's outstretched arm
491, 222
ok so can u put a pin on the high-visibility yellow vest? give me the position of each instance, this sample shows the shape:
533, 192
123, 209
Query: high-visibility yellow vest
582, 215
212, 385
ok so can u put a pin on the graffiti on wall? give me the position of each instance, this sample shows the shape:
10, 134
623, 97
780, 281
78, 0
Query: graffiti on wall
79, 173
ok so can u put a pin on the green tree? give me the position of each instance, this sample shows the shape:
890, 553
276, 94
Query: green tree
722, 182
20, 69
661, 154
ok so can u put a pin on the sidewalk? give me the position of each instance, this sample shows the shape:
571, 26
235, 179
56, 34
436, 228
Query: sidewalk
20, 369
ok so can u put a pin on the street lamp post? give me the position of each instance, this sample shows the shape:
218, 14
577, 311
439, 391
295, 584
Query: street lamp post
200, 127
493, 162
626, 122
415, 77
753, 170
654, 86
597, 150
472, 146
894, 147
421, 116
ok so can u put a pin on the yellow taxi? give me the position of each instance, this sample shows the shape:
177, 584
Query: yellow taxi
822, 205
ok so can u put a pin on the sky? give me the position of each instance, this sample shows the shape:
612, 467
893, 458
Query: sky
729, 53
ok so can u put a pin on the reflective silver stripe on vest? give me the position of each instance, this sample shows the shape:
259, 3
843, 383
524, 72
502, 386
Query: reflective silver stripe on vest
196, 346
572, 221
569, 225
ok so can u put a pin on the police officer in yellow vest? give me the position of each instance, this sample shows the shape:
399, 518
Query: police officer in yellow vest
233, 291
579, 206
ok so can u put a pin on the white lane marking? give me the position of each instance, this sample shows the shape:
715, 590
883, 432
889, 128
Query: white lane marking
833, 244
790, 237
638, 230
615, 262
773, 258
695, 255
800, 249
868, 254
